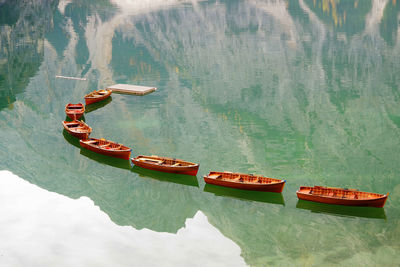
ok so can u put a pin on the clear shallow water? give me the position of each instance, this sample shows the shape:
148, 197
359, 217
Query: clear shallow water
302, 91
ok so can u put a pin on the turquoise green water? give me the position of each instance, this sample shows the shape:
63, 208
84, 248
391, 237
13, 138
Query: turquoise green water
308, 91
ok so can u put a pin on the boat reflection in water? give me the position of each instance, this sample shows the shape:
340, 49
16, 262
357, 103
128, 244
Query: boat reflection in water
340, 210
266, 197
82, 118
167, 177
114, 162
71, 139
97, 105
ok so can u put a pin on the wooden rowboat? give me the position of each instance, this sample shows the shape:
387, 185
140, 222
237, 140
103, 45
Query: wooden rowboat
245, 181
164, 164
106, 147
97, 96
74, 111
341, 196
77, 128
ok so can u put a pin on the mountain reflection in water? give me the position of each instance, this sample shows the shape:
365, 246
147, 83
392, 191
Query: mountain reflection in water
300, 89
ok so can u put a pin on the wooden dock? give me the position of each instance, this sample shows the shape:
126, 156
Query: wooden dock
131, 89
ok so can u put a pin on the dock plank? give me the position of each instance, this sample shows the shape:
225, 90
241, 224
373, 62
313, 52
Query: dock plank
131, 89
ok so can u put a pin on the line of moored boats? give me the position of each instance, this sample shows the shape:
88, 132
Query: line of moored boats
329, 195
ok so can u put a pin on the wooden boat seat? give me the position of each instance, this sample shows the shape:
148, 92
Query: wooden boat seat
103, 146
215, 176
152, 160
177, 164
238, 179
91, 142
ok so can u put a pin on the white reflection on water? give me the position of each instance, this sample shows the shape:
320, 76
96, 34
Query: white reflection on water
47, 229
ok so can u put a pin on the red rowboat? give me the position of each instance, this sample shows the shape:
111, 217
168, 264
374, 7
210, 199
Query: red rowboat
106, 147
341, 196
164, 164
245, 181
74, 111
78, 129
97, 96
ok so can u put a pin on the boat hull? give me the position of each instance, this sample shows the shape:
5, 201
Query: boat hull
377, 202
78, 135
273, 187
125, 154
187, 170
91, 100
74, 115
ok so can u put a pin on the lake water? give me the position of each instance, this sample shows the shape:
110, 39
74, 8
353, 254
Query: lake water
303, 90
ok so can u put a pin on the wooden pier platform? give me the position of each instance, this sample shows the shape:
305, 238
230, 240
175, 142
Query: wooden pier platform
131, 89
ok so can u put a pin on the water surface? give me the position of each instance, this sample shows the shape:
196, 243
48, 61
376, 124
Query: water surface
303, 90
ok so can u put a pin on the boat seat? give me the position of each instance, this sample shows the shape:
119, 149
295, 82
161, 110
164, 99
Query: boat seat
215, 176
177, 164
91, 142
103, 146
151, 160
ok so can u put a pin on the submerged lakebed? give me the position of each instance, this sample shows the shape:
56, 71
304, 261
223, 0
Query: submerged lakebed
303, 94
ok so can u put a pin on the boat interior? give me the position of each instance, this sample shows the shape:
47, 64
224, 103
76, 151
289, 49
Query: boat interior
81, 129
74, 107
339, 193
164, 161
97, 93
244, 178
77, 127
104, 144
72, 124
